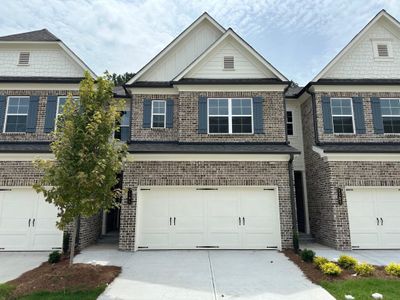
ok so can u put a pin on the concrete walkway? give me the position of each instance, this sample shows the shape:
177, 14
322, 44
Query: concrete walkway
374, 257
203, 275
14, 264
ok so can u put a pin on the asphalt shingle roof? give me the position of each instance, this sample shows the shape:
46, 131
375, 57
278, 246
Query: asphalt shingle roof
42, 35
360, 148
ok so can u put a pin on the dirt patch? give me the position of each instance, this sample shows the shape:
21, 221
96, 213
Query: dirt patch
316, 276
60, 277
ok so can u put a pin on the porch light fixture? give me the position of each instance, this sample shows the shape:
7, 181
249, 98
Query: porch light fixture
129, 200
340, 195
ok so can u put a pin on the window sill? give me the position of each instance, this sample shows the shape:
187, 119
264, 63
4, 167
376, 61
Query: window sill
16, 133
232, 134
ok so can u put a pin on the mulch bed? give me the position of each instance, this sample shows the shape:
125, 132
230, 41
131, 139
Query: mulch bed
60, 277
316, 276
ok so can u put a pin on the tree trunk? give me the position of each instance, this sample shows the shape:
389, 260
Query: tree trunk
73, 241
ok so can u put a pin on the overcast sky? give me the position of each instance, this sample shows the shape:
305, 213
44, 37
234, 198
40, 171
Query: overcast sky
298, 37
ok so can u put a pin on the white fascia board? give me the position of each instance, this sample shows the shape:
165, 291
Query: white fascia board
149, 90
237, 38
231, 87
173, 43
395, 157
25, 156
381, 14
39, 86
355, 88
206, 157
76, 58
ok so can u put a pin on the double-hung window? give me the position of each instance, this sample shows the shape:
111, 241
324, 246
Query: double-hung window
230, 115
158, 113
342, 115
390, 109
123, 132
16, 114
289, 122
60, 104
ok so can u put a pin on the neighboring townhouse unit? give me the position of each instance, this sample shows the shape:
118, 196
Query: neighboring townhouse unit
37, 70
209, 163
351, 127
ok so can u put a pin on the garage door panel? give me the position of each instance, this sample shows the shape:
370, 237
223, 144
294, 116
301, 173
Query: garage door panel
260, 240
14, 241
227, 239
155, 240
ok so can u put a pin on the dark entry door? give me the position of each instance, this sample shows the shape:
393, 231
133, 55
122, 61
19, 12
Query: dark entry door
299, 191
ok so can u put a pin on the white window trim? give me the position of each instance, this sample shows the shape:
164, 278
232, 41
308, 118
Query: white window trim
287, 122
58, 106
230, 116
352, 117
159, 114
13, 114
375, 44
390, 116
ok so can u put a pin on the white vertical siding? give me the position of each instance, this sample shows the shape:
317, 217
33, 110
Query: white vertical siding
296, 140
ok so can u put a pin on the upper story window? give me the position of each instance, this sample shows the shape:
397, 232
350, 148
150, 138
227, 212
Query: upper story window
390, 109
229, 62
382, 49
16, 114
230, 115
60, 104
23, 59
158, 113
342, 115
123, 132
289, 122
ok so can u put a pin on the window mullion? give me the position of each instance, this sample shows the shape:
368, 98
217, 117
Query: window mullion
230, 115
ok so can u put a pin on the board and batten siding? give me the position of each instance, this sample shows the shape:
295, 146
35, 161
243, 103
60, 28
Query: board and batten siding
359, 61
296, 140
245, 66
45, 60
182, 54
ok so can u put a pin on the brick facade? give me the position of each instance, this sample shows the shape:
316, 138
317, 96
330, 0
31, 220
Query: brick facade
200, 173
328, 220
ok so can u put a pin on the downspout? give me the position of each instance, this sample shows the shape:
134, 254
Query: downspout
314, 113
293, 204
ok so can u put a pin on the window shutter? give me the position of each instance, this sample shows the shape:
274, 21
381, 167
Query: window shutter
32, 114
2, 111
377, 115
170, 113
146, 113
359, 115
258, 115
51, 111
202, 114
327, 114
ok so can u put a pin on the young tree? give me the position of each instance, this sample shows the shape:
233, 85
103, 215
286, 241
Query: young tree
80, 180
119, 79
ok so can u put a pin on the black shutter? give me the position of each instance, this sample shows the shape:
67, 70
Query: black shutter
32, 114
258, 115
51, 112
327, 114
202, 115
359, 115
3, 105
170, 113
146, 113
377, 115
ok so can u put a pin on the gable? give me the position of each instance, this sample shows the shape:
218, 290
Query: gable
180, 55
361, 62
45, 60
245, 66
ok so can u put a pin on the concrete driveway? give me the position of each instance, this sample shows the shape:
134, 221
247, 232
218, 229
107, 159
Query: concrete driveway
13, 264
218, 274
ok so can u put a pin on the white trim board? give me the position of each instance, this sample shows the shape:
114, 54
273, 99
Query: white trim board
395, 157
356, 88
39, 86
206, 157
231, 87
25, 156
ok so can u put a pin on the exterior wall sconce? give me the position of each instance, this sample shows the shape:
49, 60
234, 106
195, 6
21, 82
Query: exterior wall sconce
129, 200
340, 196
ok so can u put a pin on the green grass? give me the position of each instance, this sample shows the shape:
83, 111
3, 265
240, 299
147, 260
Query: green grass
92, 294
363, 288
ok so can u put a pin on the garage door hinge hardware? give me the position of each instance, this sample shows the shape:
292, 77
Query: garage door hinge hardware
5, 190
270, 189
349, 190
208, 247
272, 247
145, 189
143, 247
355, 247
56, 248
2, 248
207, 189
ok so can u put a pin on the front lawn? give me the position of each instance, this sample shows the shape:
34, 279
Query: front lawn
363, 288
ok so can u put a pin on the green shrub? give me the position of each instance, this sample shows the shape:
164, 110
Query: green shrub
347, 262
319, 261
364, 269
54, 257
393, 269
331, 269
307, 255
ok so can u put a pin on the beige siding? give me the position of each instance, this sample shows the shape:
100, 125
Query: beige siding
296, 140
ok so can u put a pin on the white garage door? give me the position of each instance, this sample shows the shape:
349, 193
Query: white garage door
27, 221
374, 217
195, 218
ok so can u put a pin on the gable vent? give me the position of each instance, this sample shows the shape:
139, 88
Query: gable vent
229, 62
23, 58
383, 50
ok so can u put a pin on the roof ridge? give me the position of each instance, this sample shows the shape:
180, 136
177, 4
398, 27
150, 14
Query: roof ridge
40, 35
